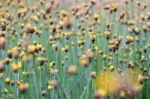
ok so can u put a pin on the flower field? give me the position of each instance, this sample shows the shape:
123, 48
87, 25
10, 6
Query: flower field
74, 49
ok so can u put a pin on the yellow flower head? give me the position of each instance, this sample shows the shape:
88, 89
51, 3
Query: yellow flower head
16, 66
107, 81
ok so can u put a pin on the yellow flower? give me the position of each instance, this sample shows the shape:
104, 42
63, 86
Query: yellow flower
101, 93
95, 17
63, 49
111, 68
52, 63
35, 18
84, 60
107, 81
2, 39
16, 66
19, 65
7, 60
7, 80
23, 56
5, 90
130, 39
52, 84
122, 93
49, 87
13, 50
2, 20
31, 48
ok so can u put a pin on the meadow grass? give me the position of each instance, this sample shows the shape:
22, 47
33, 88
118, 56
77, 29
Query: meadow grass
75, 49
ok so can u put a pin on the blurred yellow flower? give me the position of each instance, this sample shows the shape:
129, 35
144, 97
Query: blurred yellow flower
107, 81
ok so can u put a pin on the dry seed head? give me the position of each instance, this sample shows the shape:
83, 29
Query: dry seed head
141, 79
7, 80
72, 69
55, 46
112, 68
41, 60
23, 87
89, 53
93, 74
93, 2
96, 17
2, 33
7, 60
52, 84
2, 68
130, 39
44, 93
107, 34
29, 29
84, 60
